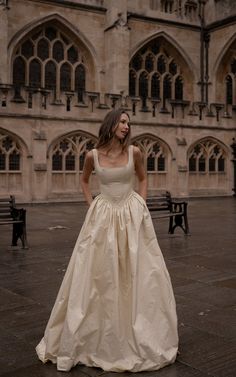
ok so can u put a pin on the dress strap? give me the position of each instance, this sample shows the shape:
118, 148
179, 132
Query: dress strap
131, 155
95, 158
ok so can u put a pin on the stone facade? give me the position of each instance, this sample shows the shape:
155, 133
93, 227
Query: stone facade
170, 63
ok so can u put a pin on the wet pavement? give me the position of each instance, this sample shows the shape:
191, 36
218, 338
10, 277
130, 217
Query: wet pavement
202, 268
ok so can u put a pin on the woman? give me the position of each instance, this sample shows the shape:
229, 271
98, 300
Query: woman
115, 308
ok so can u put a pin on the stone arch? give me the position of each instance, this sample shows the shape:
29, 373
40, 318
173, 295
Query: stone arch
14, 166
208, 167
174, 45
25, 148
157, 156
161, 44
66, 156
222, 69
225, 147
89, 51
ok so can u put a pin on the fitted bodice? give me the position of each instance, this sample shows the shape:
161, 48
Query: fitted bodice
116, 183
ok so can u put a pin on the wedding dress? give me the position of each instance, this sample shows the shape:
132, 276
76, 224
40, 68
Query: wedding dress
115, 308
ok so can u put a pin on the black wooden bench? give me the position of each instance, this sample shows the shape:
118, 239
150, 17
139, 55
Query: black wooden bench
9, 214
164, 206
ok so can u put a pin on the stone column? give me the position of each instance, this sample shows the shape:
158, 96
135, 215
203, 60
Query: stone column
3, 42
117, 48
182, 167
39, 184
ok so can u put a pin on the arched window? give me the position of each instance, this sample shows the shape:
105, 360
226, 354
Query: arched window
132, 83
161, 70
207, 157
69, 153
50, 75
80, 81
155, 86
51, 59
179, 88
161, 64
58, 51
229, 90
10, 154
19, 71
149, 63
143, 85
167, 87
65, 76
154, 154
43, 49
35, 73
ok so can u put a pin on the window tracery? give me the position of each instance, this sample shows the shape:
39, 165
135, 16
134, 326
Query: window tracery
10, 154
69, 153
207, 156
155, 156
154, 73
50, 59
230, 82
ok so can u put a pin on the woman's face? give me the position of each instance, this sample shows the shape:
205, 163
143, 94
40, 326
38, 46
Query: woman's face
122, 129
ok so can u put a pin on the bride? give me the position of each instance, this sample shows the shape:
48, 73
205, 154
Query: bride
115, 308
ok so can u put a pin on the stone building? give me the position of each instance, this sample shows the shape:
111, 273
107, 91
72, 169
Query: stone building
170, 63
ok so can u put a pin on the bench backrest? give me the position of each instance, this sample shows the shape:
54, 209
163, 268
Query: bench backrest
160, 202
7, 206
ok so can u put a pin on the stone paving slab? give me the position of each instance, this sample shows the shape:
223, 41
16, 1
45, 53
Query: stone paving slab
202, 268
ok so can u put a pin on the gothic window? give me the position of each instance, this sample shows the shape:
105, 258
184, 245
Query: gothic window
149, 63
192, 163
229, 90
161, 64
179, 88
10, 154
35, 74
72, 55
69, 153
162, 73
154, 154
50, 59
167, 87
221, 164
207, 157
173, 68
57, 161
43, 49
14, 160
51, 33
80, 81
50, 75
65, 77
233, 66
155, 86
27, 49
19, 71
143, 85
2, 161
132, 83
136, 62
58, 51
70, 161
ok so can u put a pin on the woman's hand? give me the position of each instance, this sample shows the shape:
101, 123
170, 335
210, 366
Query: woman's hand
87, 170
141, 174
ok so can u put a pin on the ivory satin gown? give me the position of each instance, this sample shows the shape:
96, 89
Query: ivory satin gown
115, 308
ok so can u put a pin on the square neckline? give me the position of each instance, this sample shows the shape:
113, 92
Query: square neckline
114, 167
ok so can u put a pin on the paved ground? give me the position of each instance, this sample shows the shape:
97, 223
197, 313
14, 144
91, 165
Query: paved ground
202, 268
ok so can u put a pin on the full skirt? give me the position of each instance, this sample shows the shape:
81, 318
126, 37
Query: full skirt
115, 308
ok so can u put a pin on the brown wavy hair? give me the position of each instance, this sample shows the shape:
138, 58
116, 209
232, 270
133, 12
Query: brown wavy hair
108, 128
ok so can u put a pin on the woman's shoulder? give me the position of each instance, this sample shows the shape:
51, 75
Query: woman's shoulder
136, 151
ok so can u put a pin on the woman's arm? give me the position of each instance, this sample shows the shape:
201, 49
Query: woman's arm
87, 170
141, 174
